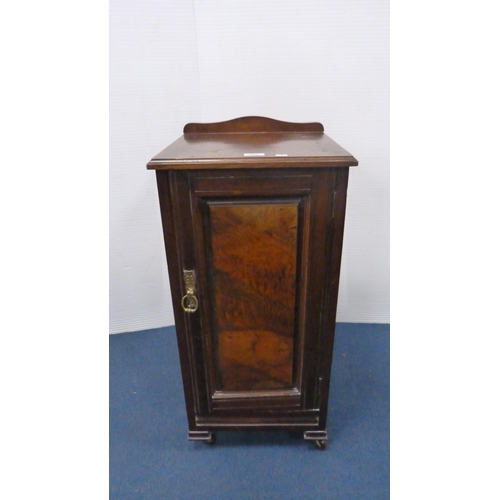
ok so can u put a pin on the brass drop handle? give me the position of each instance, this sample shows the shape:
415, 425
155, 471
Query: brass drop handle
189, 302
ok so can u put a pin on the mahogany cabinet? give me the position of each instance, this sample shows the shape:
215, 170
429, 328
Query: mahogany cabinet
253, 218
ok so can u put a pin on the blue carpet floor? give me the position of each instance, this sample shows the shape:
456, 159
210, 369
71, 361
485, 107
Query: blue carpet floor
151, 458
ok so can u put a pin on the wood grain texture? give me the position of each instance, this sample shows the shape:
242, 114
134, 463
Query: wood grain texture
254, 251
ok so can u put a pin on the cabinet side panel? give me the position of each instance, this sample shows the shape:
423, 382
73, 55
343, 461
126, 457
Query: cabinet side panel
254, 263
335, 241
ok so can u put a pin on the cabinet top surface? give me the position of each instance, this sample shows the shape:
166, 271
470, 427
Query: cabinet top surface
252, 142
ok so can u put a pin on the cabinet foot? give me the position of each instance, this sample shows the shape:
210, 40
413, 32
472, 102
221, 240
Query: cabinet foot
319, 438
207, 437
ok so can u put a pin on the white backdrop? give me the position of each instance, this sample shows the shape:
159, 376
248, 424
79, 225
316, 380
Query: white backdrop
175, 61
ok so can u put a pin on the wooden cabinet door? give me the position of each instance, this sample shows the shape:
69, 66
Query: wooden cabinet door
259, 243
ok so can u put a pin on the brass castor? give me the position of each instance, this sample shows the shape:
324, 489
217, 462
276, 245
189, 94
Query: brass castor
211, 439
320, 443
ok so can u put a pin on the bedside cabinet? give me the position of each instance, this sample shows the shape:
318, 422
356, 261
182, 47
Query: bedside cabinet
253, 219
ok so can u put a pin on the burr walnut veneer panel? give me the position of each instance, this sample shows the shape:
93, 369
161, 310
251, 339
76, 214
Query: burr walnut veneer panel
254, 259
